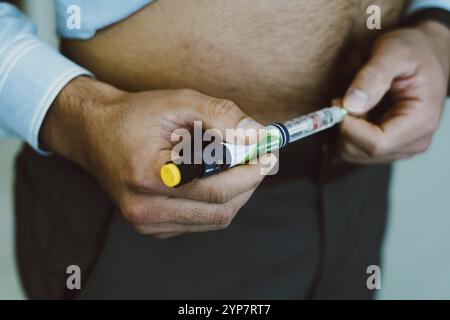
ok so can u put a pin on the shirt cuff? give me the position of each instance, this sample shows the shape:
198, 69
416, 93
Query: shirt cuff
31, 76
417, 5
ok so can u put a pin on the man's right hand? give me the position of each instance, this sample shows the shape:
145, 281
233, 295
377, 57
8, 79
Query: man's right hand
123, 139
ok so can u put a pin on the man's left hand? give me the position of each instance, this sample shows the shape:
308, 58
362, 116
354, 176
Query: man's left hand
412, 65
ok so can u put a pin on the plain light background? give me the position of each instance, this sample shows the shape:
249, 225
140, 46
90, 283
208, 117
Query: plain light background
417, 247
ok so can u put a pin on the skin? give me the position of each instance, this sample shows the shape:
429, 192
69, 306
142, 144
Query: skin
275, 59
412, 66
116, 130
123, 147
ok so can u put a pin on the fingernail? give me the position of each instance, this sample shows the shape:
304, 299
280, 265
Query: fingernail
356, 100
248, 123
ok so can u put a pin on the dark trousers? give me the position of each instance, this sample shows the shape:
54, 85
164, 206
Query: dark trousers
300, 236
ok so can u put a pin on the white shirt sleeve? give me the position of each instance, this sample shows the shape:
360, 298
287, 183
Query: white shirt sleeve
31, 75
417, 5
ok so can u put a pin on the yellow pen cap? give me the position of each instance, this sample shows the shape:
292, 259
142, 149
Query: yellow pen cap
170, 175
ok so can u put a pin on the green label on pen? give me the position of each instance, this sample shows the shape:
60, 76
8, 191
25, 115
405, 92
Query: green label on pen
270, 142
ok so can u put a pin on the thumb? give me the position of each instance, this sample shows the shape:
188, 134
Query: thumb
225, 116
375, 78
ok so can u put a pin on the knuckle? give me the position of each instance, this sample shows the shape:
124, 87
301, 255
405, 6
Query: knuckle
217, 107
224, 226
372, 73
346, 155
135, 177
255, 184
431, 126
378, 150
218, 195
391, 42
428, 123
223, 216
344, 149
424, 147
187, 93
198, 191
134, 212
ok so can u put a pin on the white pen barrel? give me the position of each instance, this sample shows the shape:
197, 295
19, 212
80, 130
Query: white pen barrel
312, 123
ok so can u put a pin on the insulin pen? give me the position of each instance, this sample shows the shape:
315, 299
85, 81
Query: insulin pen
277, 136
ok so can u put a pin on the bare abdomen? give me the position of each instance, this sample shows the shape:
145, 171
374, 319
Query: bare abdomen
275, 58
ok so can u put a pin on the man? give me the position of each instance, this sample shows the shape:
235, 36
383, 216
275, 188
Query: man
309, 232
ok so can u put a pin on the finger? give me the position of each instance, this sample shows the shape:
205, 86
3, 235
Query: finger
216, 188
419, 146
361, 133
222, 115
388, 61
145, 210
164, 236
351, 153
380, 140
171, 229
406, 150
222, 187
148, 178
